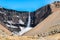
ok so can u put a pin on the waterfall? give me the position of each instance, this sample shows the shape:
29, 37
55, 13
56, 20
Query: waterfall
28, 26
29, 19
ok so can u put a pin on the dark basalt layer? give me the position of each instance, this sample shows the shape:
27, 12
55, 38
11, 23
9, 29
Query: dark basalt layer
40, 14
14, 16
8, 15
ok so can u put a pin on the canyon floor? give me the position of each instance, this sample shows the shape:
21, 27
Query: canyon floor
51, 37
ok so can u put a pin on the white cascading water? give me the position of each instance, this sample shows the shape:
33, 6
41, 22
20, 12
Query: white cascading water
29, 19
27, 28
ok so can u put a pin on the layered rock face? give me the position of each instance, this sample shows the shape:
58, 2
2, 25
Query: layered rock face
13, 19
40, 14
8, 15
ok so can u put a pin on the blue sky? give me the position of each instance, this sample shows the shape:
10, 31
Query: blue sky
24, 5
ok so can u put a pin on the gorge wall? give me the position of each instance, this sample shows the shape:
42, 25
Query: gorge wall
15, 19
40, 14
36, 16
